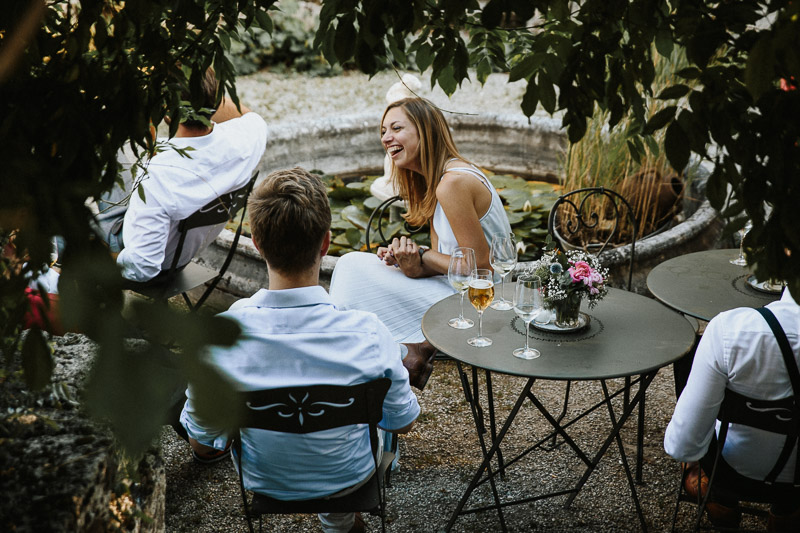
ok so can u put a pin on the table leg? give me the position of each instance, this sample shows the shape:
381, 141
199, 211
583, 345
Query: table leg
477, 415
617, 424
640, 436
493, 425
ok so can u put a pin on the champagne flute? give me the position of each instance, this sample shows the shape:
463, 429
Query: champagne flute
741, 260
462, 263
527, 305
481, 293
503, 259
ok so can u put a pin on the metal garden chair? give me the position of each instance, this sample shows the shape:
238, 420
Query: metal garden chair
181, 279
603, 212
317, 408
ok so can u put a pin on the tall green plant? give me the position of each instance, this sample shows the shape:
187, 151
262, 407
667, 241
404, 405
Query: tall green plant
618, 159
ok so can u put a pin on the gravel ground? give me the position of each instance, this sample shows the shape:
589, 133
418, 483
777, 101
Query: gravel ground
441, 454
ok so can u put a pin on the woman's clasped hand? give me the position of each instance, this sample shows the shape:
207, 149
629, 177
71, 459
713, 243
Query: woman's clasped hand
403, 253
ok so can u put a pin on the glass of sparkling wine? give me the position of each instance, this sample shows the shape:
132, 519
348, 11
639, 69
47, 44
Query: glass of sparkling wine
741, 260
462, 263
481, 293
503, 257
527, 305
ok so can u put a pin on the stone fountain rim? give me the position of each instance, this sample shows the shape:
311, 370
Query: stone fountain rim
359, 121
646, 247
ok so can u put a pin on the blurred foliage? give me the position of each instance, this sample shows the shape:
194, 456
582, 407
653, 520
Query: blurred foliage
78, 80
288, 46
575, 55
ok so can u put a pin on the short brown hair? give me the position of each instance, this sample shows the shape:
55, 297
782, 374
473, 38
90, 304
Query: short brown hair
205, 96
289, 217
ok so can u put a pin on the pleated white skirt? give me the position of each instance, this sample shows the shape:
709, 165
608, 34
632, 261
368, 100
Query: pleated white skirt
362, 281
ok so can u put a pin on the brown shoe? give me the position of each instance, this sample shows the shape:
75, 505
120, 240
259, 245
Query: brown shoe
696, 481
419, 363
784, 523
696, 485
358, 526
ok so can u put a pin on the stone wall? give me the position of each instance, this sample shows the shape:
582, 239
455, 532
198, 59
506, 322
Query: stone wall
60, 470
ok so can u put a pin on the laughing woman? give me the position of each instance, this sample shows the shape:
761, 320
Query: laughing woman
439, 187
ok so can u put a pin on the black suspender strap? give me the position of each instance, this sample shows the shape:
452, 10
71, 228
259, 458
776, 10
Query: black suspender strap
794, 377
786, 350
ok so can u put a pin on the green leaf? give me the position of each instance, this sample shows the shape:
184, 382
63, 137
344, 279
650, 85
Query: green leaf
355, 216
677, 147
759, 73
690, 73
345, 43
492, 14
659, 120
525, 68
483, 70
634, 152
424, 56
673, 92
547, 94
264, 21
37, 360
716, 188
530, 99
447, 80
353, 237
664, 43
133, 391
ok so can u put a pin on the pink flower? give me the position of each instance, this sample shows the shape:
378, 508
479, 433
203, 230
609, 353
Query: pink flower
579, 271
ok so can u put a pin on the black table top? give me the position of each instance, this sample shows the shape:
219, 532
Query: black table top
628, 334
703, 284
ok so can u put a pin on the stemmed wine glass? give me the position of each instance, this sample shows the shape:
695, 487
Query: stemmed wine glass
503, 259
462, 263
527, 305
481, 293
741, 261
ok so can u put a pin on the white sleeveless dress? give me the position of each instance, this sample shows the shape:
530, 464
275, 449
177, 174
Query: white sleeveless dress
362, 281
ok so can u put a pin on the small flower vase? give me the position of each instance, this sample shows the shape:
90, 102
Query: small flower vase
568, 311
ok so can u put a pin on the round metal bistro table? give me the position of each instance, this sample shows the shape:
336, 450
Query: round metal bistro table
703, 284
627, 335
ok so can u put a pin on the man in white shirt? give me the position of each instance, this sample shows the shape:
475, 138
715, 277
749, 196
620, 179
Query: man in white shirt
220, 156
738, 351
293, 335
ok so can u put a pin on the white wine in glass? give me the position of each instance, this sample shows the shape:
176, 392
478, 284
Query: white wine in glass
481, 293
462, 263
741, 260
503, 257
527, 305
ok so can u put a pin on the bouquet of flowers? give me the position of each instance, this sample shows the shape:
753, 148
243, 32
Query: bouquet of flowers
570, 273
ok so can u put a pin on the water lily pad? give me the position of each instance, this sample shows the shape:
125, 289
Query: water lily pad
355, 215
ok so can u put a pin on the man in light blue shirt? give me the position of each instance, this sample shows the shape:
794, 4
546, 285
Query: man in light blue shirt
293, 335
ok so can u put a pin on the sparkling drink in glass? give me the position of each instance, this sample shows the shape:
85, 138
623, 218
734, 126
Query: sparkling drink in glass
503, 257
741, 260
481, 293
462, 263
528, 303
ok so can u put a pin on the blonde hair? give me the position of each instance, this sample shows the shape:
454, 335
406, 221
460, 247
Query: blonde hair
436, 148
